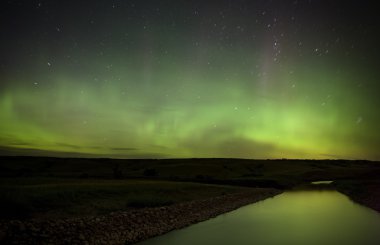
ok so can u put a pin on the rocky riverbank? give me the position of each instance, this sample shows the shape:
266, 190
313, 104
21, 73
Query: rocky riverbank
125, 227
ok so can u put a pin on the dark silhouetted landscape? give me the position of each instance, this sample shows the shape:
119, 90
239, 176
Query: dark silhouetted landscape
84, 192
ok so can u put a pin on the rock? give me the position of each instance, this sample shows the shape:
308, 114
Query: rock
128, 227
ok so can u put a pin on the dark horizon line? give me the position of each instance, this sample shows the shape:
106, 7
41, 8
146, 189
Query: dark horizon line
190, 158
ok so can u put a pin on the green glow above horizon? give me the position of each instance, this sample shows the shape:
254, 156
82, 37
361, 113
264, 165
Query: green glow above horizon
168, 93
190, 118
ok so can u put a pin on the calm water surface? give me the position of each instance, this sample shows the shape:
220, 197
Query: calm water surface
313, 217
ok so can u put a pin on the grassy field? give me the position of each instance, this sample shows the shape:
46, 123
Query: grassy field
60, 187
57, 197
273, 173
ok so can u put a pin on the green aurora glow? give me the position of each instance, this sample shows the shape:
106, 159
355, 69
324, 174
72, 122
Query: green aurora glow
172, 93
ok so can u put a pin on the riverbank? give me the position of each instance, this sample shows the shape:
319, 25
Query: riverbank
59, 198
125, 227
366, 193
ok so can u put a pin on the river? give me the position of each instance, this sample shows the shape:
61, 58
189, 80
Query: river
308, 217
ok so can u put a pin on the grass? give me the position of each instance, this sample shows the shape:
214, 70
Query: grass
61, 187
57, 197
283, 172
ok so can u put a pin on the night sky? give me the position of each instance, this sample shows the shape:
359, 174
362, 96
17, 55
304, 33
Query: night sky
173, 79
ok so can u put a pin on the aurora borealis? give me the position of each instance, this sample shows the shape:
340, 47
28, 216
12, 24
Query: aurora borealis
173, 79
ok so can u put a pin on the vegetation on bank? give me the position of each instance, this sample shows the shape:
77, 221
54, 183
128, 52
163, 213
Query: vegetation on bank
281, 173
58, 197
363, 191
57, 187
